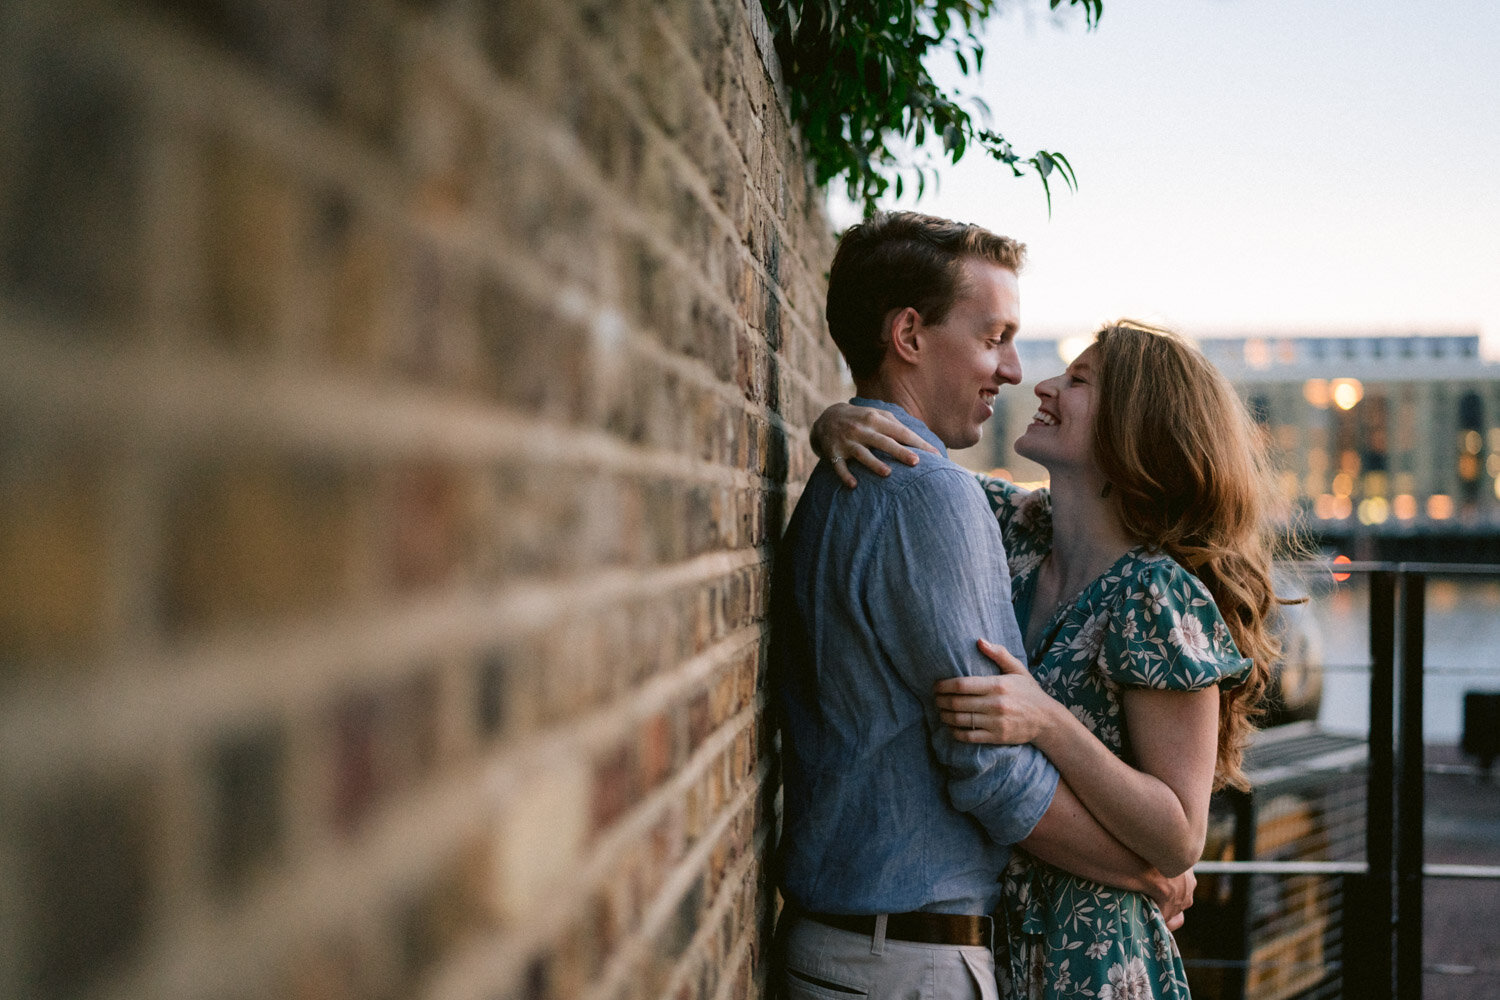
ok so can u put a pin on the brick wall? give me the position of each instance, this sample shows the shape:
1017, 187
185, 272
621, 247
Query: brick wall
398, 401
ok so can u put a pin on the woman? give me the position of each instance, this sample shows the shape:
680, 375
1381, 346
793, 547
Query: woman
1141, 582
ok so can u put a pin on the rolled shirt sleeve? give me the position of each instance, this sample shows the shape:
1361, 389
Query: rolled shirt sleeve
938, 583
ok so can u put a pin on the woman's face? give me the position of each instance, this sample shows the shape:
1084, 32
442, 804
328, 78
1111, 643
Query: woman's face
1061, 433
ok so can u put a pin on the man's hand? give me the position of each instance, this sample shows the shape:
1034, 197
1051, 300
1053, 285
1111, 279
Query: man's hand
1174, 895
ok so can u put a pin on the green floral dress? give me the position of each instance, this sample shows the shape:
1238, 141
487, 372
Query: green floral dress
1146, 622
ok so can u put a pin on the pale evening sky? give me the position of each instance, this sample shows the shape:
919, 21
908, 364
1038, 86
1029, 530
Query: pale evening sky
1248, 165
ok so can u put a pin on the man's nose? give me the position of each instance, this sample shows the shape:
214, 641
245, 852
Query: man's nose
1009, 368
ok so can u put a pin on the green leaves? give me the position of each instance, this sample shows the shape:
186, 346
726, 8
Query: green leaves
860, 90
1092, 9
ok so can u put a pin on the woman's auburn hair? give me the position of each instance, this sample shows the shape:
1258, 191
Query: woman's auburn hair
1189, 475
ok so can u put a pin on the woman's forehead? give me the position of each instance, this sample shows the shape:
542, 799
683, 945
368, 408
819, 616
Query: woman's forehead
1086, 359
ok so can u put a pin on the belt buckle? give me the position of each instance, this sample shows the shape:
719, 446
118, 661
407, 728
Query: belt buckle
989, 932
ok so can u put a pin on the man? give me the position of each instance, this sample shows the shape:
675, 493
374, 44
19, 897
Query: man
894, 833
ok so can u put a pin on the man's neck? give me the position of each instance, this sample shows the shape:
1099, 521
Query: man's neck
891, 390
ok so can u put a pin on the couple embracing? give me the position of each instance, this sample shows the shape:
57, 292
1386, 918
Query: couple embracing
1003, 712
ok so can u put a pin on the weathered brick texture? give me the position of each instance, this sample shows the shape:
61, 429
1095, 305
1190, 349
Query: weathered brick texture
398, 404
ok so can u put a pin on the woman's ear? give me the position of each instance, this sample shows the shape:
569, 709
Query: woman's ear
906, 328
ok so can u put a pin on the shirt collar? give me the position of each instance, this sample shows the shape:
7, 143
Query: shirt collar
899, 412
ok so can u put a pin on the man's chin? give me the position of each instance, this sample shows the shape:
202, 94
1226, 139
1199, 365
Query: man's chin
967, 439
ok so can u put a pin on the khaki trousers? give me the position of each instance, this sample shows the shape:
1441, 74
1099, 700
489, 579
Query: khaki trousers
825, 963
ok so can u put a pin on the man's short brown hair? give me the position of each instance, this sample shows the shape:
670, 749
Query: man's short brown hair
897, 259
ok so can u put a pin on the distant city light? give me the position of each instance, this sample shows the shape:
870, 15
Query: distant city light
1315, 391
1332, 508
1472, 442
1343, 485
1468, 467
1374, 510
1257, 353
1440, 507
1340, 560
1347, 392
1404, 506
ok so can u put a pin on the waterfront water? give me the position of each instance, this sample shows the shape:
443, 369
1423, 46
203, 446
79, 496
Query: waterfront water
1462, 652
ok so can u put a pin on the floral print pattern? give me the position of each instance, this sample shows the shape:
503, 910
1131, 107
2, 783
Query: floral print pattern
1146, 622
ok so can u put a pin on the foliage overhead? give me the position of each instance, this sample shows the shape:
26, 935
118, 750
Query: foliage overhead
859, 87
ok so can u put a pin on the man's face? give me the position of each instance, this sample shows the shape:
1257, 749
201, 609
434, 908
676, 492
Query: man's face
973, 353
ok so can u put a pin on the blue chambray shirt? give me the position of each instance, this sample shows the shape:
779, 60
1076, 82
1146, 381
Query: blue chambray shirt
879, 592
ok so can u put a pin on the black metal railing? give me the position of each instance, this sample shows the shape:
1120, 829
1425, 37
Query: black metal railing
1379, 945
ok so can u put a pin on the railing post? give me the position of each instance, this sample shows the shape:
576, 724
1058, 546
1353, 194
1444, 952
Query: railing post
1410, 804
1240, 893
1369, 957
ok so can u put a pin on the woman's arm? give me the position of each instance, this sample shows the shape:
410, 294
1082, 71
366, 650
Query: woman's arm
1159, 811
1069, 837
845, 431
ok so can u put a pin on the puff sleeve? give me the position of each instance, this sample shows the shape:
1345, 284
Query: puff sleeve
1168, 634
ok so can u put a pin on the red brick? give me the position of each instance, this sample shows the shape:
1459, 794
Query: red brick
427, 525
655, 750
616, 785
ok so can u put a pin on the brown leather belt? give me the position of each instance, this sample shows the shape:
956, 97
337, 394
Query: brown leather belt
924, 928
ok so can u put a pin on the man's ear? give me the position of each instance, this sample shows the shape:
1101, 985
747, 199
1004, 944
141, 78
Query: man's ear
906, 327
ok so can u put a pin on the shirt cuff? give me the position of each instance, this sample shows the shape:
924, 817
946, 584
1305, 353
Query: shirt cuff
1022, 799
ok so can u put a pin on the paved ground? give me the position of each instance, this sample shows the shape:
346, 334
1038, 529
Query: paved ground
1461, 932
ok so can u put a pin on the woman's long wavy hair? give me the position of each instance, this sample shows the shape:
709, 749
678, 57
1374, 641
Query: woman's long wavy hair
1189, 475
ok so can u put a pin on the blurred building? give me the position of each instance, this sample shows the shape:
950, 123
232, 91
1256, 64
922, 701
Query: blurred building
1384, 434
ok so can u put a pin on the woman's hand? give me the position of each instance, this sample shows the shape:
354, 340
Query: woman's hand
1010, 709
1173, 896
845, 431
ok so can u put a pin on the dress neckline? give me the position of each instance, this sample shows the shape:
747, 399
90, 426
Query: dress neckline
1024, 593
